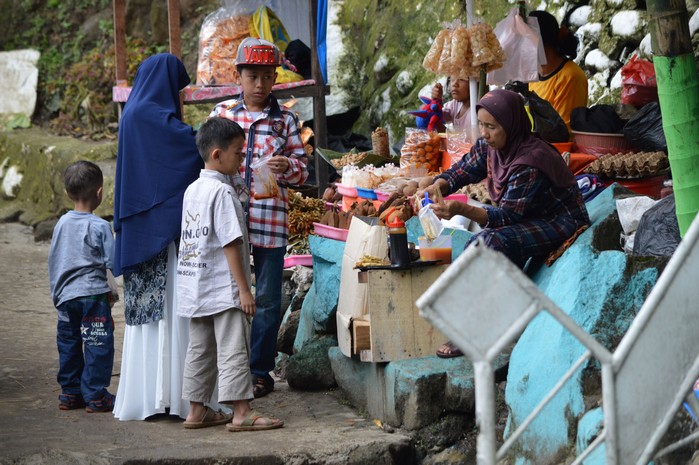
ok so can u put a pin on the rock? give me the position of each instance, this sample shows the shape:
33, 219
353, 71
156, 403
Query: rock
589, 427
44, 230
593, 284
41, 159
287, 333
309, 369
410, 394
19, 74
320, 304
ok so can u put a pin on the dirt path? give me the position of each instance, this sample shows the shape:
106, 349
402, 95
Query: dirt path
319, 429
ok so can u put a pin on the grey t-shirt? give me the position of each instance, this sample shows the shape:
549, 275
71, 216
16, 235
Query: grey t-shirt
82, 249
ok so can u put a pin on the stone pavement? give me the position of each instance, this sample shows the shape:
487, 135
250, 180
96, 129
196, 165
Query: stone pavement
319, 427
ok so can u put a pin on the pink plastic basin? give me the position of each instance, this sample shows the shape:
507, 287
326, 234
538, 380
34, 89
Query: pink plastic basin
293, 260
330, 232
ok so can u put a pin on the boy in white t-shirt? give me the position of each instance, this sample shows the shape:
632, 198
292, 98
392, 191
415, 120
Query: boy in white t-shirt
213, 286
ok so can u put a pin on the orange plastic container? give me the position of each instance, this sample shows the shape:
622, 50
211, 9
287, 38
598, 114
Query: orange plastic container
438, 249
431, 253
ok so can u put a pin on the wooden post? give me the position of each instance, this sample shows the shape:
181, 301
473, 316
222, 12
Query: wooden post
120, 42
320, 127
173, 19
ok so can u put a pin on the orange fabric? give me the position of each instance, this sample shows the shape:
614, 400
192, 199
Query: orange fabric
553, 256
565, 90
579, 161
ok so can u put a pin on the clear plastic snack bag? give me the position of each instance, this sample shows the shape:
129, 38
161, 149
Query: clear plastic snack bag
265, 184
421, 153
431, 225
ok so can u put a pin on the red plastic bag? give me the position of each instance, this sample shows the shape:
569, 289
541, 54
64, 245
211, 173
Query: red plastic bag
638, 84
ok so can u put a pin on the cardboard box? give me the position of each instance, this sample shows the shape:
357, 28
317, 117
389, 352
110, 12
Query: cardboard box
365, 237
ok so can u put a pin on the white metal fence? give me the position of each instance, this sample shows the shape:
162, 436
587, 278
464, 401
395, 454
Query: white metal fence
644, 382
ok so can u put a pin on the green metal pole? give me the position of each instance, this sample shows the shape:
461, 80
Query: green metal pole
678, 92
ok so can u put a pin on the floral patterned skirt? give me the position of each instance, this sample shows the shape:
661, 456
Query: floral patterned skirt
144, 290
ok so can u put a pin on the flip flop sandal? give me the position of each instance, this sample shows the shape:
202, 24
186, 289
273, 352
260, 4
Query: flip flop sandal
449, 350
250, 423
211, 418
261, 388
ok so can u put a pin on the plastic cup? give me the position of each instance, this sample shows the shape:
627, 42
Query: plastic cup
438, 249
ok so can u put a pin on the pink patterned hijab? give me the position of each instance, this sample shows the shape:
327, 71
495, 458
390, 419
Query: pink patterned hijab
522, 147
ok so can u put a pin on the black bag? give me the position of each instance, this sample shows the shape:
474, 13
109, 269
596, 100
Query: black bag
299, 54
598, 118
547, 122
658, 233
645, 129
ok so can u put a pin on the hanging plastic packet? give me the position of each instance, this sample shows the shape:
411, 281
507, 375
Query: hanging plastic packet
265, 184
431, 225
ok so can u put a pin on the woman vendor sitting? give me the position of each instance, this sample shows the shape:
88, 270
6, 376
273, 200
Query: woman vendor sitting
539, 204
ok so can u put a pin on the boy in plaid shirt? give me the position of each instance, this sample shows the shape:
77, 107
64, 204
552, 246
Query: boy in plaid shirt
272, 132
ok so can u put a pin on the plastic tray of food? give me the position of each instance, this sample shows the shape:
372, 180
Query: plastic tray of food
364, 193
346, 190
293, 260
337, 159
330, 232
460, 197
382, 196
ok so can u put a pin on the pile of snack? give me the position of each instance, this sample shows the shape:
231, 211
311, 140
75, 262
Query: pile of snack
629, 165
337, 218
303, 212
369, 176
350, 158
463, 52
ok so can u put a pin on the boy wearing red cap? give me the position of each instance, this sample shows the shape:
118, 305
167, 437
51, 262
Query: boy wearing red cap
273, 133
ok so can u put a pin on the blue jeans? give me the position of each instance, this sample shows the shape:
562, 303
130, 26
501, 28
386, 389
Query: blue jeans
269, 269
85, 325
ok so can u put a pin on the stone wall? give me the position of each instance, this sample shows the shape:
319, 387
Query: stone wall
32, 163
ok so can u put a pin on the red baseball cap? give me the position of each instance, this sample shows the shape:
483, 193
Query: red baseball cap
257, 52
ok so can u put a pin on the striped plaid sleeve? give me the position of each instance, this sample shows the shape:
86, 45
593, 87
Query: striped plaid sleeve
518, 200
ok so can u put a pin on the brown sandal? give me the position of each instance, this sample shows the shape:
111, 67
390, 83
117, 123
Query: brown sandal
449, 350
261, 388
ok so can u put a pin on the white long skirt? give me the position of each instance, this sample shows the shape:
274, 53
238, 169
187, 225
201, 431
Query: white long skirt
153, 359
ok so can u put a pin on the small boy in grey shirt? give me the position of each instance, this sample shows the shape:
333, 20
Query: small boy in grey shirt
81, 252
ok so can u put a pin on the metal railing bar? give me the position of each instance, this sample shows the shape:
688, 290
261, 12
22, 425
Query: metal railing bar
599, 351
657, 294
552, 393
609, 410
513, 331
669, 416
590, 448
677, 445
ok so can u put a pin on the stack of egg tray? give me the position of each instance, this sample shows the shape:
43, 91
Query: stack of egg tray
629, 165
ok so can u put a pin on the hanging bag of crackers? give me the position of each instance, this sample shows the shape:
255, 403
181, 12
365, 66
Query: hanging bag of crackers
462, 52
221, 33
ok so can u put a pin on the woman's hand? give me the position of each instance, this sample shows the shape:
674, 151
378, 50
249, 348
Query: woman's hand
278, 164
448, 209
439, 184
